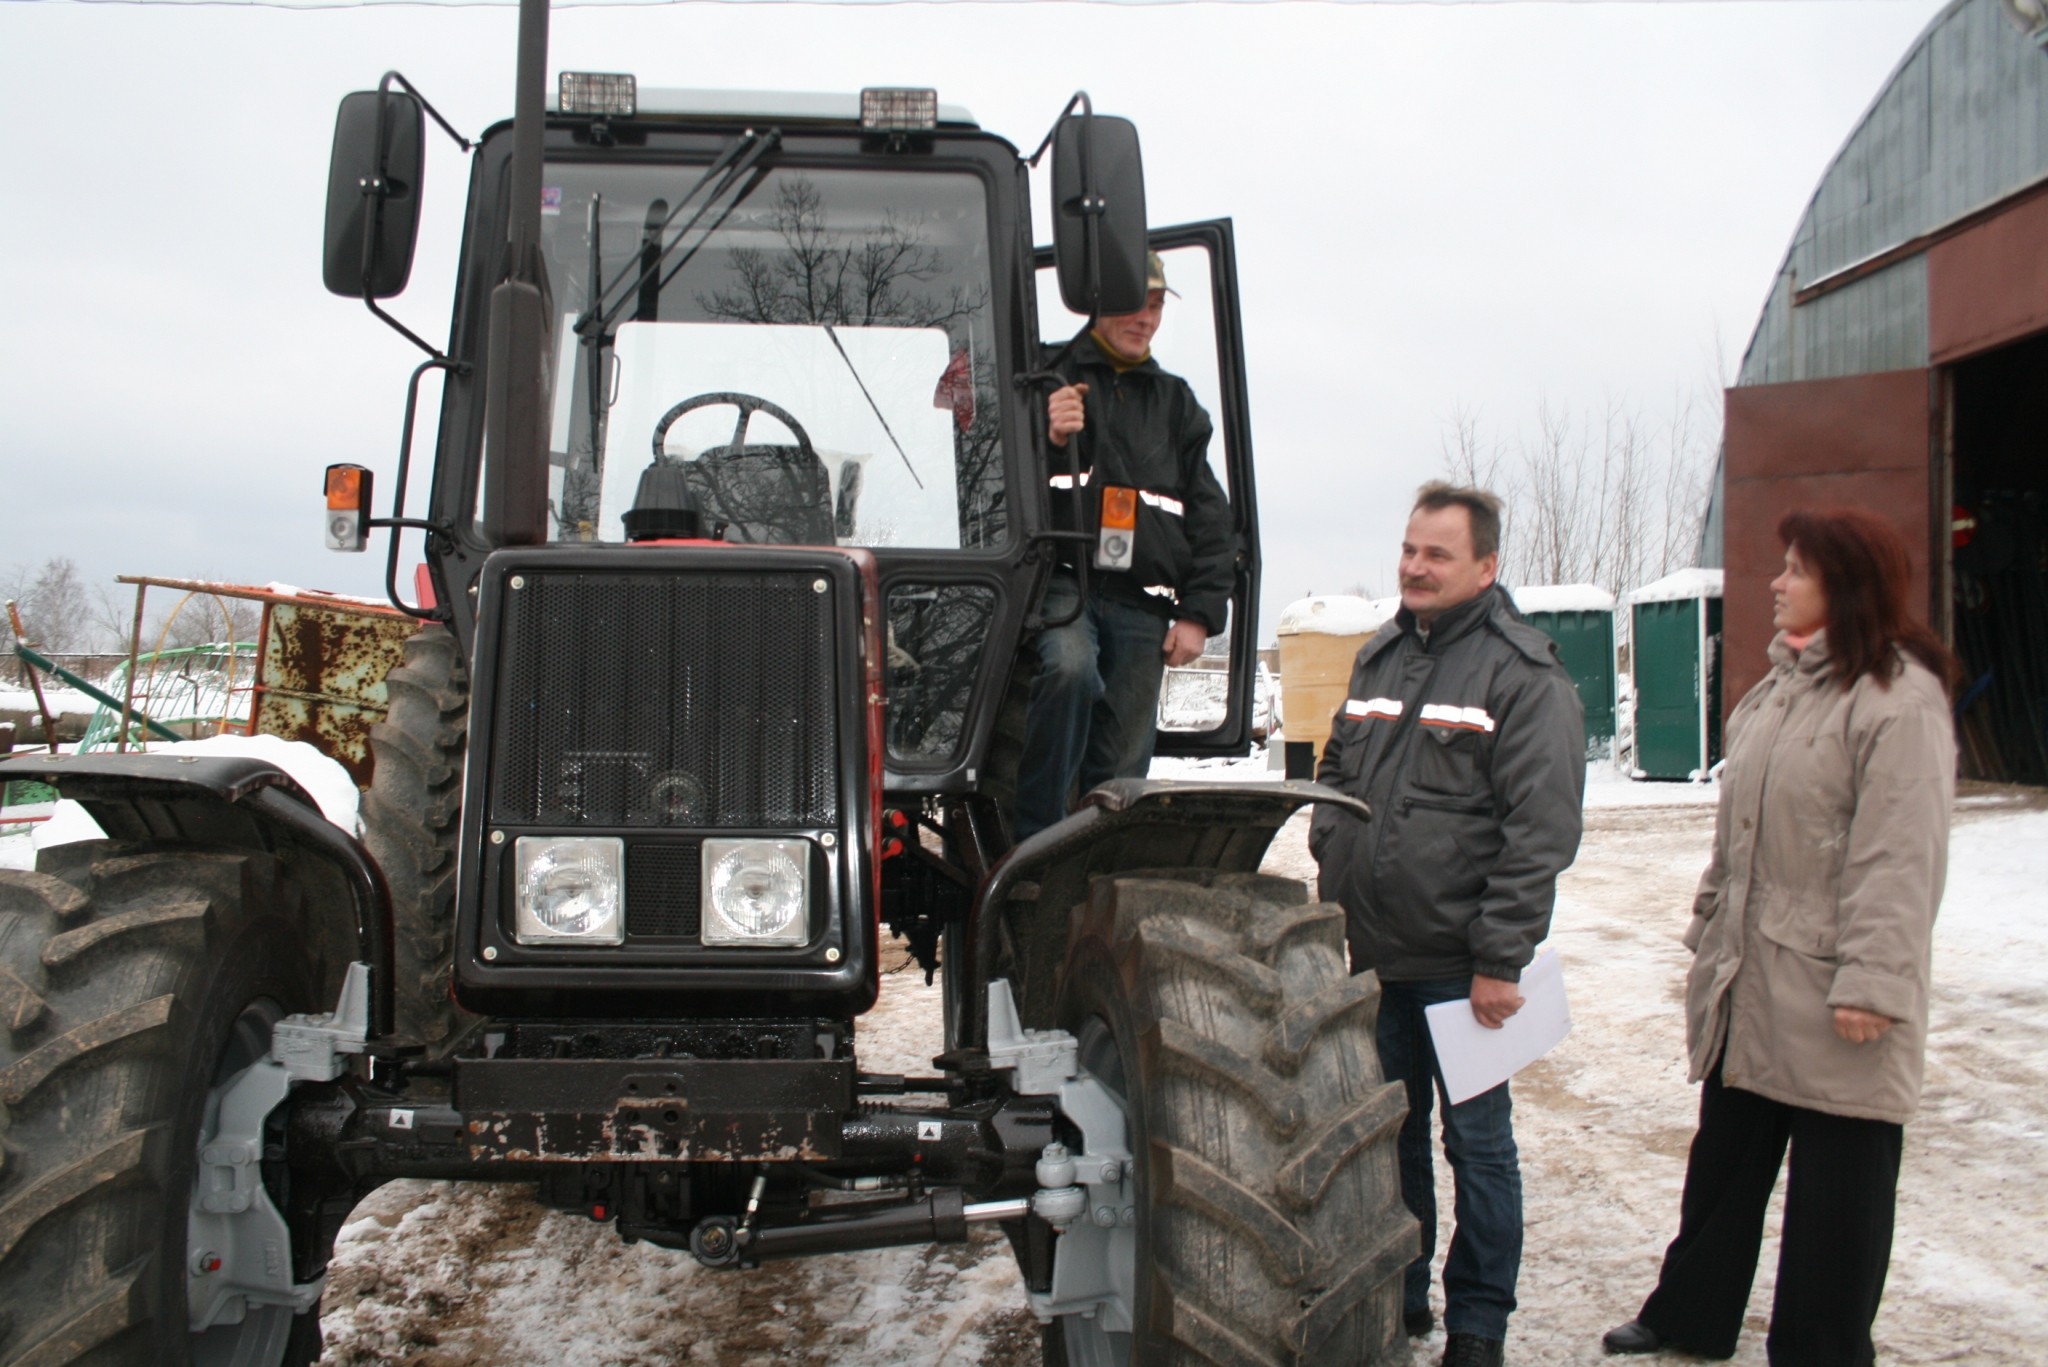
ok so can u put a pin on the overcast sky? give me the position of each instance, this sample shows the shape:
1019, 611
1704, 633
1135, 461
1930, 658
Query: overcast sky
1437, 206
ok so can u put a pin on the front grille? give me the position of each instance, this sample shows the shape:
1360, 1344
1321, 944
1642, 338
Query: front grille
661, 890
701, 700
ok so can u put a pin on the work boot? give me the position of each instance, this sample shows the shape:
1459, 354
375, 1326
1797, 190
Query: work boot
1633, 1337
1470, 1350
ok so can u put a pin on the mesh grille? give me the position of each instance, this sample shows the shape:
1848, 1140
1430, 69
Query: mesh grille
661, 890
671, 700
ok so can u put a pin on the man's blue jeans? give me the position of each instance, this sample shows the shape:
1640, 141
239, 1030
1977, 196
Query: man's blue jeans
1094, 701
1479, 1138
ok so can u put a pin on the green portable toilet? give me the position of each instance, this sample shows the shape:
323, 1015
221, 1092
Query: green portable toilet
1674, 663
1580, 619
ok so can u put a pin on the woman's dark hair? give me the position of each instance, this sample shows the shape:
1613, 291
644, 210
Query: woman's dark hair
1863, 568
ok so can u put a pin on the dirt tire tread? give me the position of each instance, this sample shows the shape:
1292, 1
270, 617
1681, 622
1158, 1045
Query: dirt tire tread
154, 951
411, 825
1271, 1226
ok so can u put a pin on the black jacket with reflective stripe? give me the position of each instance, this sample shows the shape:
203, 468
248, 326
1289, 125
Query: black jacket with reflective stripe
1470, 749
1145, 430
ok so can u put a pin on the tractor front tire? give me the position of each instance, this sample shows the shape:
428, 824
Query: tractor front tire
1218, 1009
412, 818
133, 983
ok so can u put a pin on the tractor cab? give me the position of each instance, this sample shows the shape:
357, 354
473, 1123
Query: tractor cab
805, 320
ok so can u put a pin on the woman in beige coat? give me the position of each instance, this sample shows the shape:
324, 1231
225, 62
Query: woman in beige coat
1806, 1004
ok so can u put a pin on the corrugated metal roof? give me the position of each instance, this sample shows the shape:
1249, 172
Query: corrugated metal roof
1962, 123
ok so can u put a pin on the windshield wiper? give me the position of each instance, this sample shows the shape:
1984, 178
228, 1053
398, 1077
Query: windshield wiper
740, 158
834, 335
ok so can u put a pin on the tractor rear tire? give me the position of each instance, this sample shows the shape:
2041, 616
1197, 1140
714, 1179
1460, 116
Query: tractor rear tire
412, 817
130, 987
1270, 1230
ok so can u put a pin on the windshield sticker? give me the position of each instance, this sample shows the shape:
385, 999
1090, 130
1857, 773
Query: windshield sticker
551, 201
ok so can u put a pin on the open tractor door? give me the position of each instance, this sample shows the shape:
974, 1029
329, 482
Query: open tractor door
734, 535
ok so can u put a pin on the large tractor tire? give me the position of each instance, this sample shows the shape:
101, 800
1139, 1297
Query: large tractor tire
133, 984
412, 817
1269, 1228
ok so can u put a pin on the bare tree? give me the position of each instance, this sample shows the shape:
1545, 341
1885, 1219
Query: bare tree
1693, 443
203, 619
55, 606
821, 276
1614, 498
1468, 456
1474, 460
1554, 522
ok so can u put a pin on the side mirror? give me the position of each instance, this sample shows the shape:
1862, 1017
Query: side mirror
1098, 219
373, 193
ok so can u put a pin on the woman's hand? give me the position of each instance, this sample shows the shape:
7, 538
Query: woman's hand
1858, 1026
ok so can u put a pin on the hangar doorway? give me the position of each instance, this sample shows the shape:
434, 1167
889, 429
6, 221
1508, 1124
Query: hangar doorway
1998, 570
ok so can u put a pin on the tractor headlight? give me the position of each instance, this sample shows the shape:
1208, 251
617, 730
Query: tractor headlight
757, 892
569, 888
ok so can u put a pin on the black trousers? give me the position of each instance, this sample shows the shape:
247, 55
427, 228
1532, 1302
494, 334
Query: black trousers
1840, 1190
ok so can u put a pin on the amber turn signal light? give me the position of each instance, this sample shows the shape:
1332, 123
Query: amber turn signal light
348, 508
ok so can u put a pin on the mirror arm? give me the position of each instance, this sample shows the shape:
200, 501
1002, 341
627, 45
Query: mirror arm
379, 189
384, 88
398, 521
1080, 98
434, 355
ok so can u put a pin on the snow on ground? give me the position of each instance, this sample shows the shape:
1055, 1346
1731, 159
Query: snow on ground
62, 702
439, 1276
1606, 785
433, 1275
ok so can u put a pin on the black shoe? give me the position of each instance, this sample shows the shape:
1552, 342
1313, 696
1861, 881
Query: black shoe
1470, 1350
1418, 1323
1633, 1337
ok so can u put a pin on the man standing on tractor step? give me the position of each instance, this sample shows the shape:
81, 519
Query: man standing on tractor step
1159, 574
1465, 736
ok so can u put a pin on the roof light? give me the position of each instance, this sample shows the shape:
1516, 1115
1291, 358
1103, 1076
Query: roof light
604, 93
895, 109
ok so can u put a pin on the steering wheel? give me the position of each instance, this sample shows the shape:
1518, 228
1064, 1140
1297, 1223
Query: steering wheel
765, 492
748, 405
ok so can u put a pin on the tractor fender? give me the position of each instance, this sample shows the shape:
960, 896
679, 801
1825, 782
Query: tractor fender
233, 802
1124, 825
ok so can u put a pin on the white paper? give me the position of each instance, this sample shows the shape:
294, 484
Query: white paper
1474, 1059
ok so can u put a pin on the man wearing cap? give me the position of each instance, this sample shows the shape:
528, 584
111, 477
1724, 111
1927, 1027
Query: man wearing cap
1128, 437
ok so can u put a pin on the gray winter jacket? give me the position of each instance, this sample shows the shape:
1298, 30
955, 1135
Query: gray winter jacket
1470, 749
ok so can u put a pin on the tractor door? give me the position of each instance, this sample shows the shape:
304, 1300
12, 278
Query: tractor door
1207, 707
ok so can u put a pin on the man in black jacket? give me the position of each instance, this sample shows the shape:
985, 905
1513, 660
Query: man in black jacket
1157, 589
1465, 736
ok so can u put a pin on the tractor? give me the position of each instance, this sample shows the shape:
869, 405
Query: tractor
738, 521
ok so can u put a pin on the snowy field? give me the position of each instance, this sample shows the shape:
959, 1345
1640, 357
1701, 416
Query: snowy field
440, 1276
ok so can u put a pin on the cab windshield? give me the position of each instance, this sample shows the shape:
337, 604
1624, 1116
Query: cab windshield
817, 353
